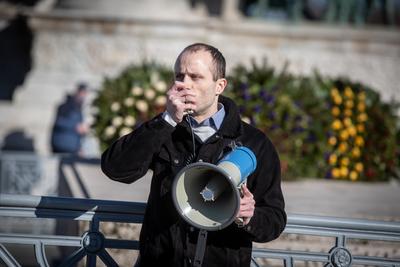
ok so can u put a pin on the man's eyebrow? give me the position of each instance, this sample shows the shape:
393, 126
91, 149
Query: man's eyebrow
188, 73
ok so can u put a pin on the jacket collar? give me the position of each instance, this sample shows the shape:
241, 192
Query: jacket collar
231, 126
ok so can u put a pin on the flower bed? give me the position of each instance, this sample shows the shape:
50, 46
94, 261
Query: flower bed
322, 127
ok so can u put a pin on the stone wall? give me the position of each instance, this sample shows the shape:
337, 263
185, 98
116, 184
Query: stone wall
71, 46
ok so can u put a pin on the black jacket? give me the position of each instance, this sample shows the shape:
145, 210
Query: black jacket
165, 239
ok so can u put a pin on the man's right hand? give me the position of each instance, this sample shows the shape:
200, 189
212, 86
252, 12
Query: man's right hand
179, 100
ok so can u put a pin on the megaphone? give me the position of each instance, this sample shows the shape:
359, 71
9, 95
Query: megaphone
207, 196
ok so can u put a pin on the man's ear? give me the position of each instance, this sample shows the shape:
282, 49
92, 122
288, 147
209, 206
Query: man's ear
221, 85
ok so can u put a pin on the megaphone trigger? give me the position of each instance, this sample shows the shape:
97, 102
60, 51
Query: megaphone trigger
240, 188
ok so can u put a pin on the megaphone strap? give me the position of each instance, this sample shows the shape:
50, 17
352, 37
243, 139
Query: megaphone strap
200, 248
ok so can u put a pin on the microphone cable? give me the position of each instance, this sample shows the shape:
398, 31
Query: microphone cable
192, 156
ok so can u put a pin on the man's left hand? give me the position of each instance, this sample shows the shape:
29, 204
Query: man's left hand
247, 205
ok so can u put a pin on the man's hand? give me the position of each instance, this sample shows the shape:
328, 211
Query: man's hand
247, 205
179, 101
82, 128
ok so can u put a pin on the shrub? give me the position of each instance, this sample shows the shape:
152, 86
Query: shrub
322, 127
126, 101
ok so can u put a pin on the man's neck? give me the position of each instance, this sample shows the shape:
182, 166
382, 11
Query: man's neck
202, 117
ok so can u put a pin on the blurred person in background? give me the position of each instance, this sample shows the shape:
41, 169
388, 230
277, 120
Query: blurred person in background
69, 127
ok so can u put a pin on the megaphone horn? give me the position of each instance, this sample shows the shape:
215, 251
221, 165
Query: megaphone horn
207, 195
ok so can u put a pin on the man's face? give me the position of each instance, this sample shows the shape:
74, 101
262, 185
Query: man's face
195, 72
81, 96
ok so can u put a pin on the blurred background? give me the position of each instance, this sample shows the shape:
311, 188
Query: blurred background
320, 77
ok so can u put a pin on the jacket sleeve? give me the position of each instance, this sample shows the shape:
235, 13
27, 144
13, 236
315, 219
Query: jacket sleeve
130, 157
269, 219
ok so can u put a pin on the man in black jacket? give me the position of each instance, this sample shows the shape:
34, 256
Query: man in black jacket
165, 145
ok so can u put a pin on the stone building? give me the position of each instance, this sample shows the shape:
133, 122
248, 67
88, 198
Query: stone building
86, 40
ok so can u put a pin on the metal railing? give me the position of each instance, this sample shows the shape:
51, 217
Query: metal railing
342, 230
93, 243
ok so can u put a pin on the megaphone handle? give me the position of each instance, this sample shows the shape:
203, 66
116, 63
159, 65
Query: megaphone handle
240, 220
200, 248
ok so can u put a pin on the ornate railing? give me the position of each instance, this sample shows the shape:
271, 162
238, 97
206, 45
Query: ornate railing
93, 243
342, 230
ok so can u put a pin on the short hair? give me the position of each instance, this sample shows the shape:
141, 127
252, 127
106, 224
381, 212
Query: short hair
81, 87
217, 58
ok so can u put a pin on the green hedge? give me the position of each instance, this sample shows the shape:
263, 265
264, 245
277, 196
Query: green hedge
322, 127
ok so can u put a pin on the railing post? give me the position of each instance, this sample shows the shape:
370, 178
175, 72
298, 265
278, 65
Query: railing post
288, 262
340, 256
40, 254
341, 241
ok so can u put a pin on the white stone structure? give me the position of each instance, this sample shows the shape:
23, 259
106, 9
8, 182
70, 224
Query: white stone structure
78, 40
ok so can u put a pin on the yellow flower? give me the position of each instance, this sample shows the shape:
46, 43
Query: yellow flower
332, 159
359, 167
347, 122
360, 128
344, 135
353, 175
334, 92
361, 96
359, 141
349, 104
362, 117
356, 152
343, 147
344, 171
345, 161
337, 124
348, 92
361, 107
332, 140
335, 111
348, 112
337, 100
335, 173
352, 131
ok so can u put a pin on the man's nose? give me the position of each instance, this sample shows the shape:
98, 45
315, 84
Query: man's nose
187, 82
